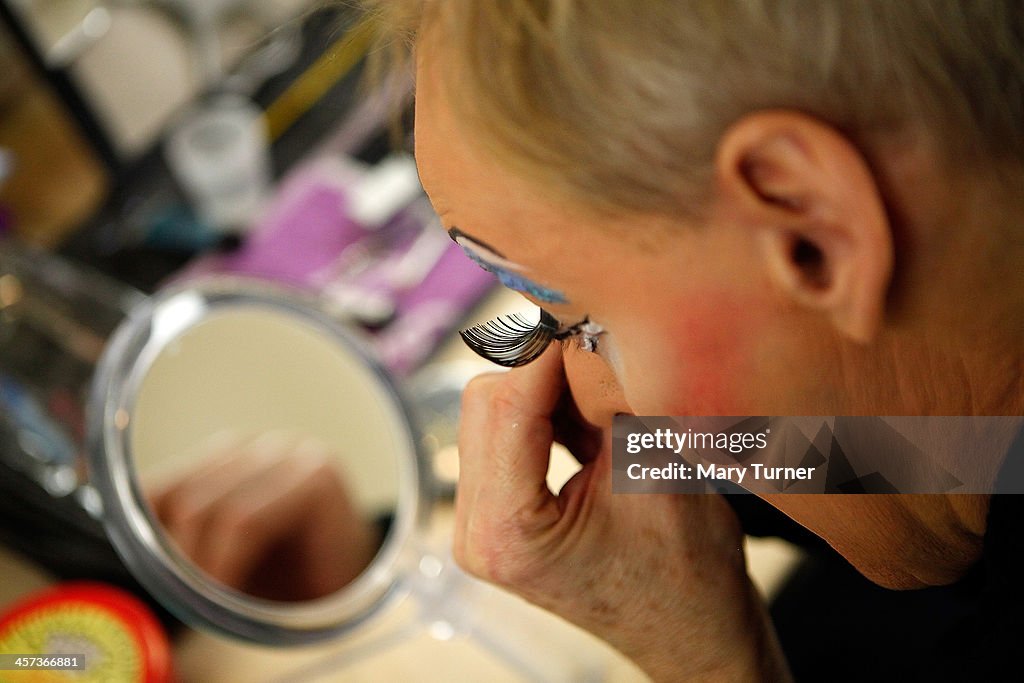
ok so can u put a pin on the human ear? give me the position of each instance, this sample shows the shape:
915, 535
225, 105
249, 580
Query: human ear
812, 203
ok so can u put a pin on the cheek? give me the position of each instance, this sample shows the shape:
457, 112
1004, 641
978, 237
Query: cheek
700, 362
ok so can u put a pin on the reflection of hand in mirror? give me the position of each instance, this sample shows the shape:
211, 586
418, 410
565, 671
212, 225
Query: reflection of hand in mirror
269, 516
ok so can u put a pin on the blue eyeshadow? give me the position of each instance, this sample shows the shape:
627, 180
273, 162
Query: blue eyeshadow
520, 284
517, 282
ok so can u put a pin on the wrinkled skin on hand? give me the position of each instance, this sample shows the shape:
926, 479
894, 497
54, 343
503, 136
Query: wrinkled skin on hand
661, 577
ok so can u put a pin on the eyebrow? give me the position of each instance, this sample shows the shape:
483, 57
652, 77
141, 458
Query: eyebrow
456, 233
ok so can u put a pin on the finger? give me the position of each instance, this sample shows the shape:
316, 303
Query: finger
476, 398
187, 506
505, 429
574, 432
505, 439
473, 395
220, 459
258, 513
164, 488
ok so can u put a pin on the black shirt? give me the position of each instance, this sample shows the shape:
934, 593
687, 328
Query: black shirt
835, 625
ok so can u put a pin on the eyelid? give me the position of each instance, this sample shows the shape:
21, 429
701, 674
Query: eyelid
509, 274
482, 251
518, 283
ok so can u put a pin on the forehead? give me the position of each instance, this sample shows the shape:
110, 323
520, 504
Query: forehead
469, 186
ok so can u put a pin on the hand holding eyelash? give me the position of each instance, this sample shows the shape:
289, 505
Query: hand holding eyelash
597, 559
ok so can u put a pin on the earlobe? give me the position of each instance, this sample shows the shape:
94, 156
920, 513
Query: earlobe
809, 199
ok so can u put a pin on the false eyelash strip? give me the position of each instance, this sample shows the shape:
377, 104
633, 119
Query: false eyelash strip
512, 341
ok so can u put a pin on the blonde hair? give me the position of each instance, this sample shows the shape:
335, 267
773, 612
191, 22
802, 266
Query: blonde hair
622, 102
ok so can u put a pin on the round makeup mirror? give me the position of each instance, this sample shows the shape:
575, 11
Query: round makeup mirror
258, 471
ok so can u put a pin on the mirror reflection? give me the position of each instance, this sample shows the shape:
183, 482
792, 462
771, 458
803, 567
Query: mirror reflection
267, 454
